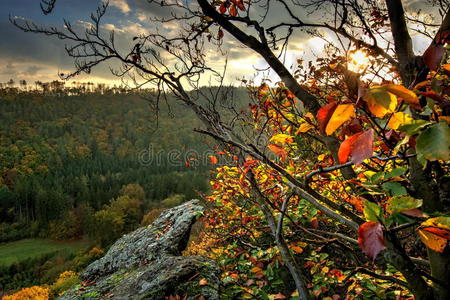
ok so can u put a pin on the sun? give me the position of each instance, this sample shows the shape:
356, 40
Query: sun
358, 61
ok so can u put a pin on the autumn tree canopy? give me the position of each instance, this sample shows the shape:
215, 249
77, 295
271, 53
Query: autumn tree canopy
365, 147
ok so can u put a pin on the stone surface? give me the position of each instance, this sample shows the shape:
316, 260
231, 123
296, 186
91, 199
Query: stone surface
146, 264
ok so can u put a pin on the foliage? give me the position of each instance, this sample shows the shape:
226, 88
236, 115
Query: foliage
31, 293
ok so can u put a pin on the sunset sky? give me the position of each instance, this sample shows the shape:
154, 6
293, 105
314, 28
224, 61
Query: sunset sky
35, 57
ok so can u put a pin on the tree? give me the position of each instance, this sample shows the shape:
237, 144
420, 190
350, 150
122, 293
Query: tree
348, 114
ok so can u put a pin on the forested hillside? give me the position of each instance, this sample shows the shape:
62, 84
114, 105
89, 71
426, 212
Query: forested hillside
60, 152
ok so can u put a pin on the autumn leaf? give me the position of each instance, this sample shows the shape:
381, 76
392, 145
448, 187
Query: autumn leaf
279, 151
256, 270
240, 5
359, 146
399, 118
400, 91
203, 281
233, 10
402, 203
305, 127
282, 139
297, 249
371, 239
432, 241
434, 142
324, 114
357, 203
435, 233
341, 114
372, 212
380, 101
222, 8
278, 296
213, 160
346, 147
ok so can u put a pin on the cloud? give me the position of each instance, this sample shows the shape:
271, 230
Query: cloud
122, 5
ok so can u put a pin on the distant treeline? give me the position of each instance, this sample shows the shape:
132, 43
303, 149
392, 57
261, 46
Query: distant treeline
60, 152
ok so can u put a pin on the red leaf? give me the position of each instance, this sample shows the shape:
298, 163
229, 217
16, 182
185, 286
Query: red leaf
324, 114
415, 212
222, 8
433, 56
370, 239
240, 5
359, 146
433, 95
362, 148
441, 232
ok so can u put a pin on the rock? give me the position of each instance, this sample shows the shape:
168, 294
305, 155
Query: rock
146, 263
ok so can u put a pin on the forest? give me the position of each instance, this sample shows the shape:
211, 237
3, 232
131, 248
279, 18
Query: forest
323, 172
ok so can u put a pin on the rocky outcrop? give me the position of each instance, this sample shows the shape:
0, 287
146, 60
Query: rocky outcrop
147, 263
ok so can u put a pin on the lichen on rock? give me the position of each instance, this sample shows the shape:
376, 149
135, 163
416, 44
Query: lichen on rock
147, 263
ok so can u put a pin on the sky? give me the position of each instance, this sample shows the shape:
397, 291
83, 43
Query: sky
35, 57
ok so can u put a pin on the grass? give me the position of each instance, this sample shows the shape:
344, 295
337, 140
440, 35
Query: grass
17, 251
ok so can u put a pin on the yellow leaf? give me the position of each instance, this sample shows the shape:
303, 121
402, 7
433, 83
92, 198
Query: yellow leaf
399, 118
400, 91
433, 241
255, 270
282, 138
341, 114
305, 127
380, 101
325, 269
309, 116
321, 157
297, 249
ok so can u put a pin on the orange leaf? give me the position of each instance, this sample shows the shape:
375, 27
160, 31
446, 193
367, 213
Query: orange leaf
380, 101
359, 146
297, 249
305, 127
213, 160
324, 114
203, 281
341, 114
279, 151
233, 10
256, 270
400, 91
433, 241
345, 148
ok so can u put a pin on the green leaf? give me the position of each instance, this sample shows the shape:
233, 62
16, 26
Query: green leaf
394, 188
372, 212
395, 172
413, 127
400, 203
434, 142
